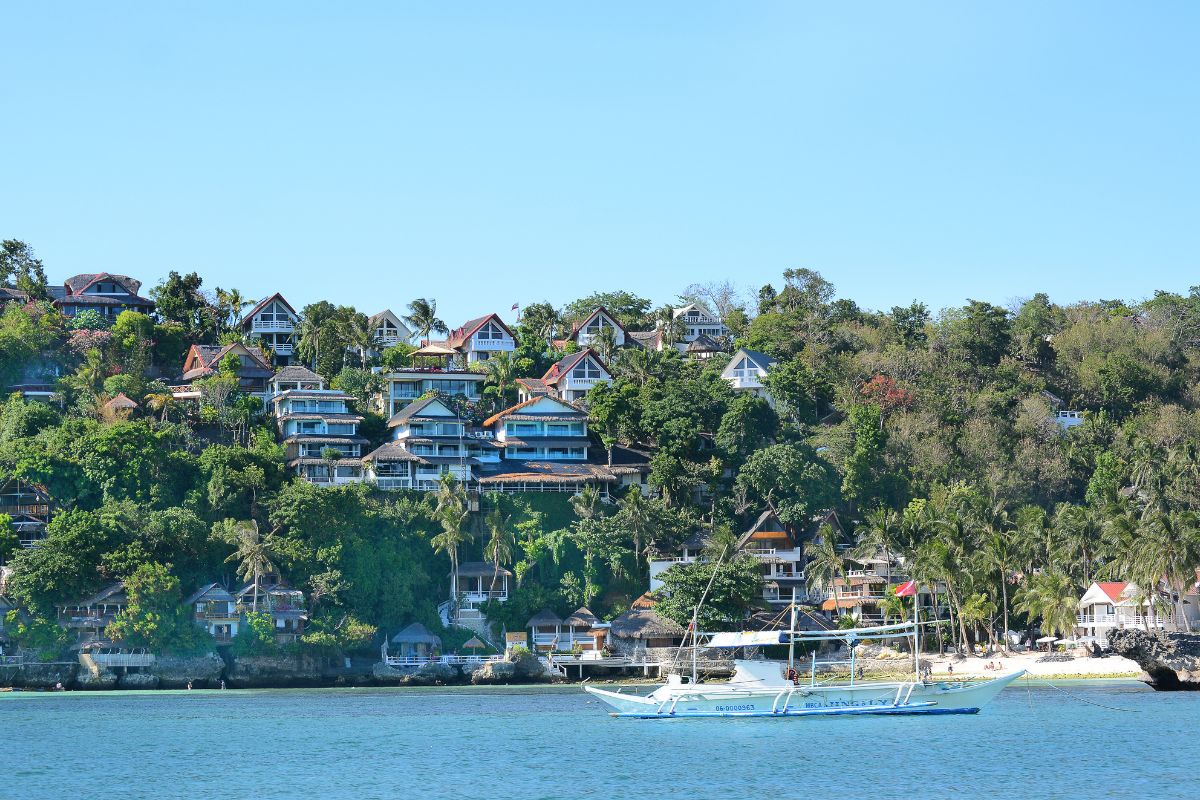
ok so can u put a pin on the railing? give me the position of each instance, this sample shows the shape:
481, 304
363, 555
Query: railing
483, 597
121, 659
388, 483
217, 614
1126, 619
283, 349
862, 573
493, 344
760, 551
417, 661
272, 326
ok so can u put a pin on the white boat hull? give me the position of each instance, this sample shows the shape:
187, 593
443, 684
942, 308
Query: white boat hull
731, 700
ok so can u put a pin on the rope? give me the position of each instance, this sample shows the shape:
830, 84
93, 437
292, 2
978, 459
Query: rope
1083, 699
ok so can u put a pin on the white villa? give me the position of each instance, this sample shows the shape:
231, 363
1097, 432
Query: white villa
541, 429
313, 423
29, 506
1105, 607
699, 321
390, 331
428, 440
273, 323
584, 333
215, 610
480, 339
746, 370
568, 379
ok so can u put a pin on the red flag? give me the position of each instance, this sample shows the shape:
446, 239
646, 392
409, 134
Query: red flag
906, 589
514, 308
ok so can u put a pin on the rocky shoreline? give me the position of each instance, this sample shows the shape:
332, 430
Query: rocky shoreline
209, 671
1170, 661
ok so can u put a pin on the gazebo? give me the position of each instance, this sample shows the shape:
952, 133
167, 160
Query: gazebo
546, 627
416, 642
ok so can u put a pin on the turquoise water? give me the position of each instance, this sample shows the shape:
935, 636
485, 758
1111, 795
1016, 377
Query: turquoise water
1033, 742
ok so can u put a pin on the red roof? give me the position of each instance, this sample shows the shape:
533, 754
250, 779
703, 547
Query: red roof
1113, 590
459, 336
263, 304
577, 327
565, 365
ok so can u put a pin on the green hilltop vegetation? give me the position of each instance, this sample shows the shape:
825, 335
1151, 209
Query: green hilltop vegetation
933, 435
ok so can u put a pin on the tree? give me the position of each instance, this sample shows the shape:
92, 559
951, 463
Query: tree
628, 309
422, 317
500, 370
451, 512
501, 541
790, 479
1053, 598
826, 563
155, 617
179, 299
254, 553
361, 335
735, 589
20, 266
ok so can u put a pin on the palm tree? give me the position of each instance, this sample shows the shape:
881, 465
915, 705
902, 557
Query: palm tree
825, 564
1078, 532
996, 555
586, 504
161, 402
500, 370
1053, 597
879, 532
604, 342
232, 302
362, 336
452, 511
501, 541
635, 515
673, 327
254, 553
308, 340
422, 317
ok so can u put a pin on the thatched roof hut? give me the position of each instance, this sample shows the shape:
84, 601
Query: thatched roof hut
544, 619
417, 634
645, 623
582, 618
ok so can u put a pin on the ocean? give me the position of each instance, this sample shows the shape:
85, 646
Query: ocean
1079, 740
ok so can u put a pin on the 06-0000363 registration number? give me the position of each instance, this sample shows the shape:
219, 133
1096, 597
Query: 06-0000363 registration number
747, 707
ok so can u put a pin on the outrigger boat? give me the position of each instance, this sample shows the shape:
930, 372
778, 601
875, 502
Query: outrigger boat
774, 689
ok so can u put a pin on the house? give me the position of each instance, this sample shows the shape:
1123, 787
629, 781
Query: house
89, 618
417, 645
204, 361
472, 586
272, 324
29, 505
1065, 418
283, 604
38, 379
648, 340
1109, 606
479, 340
215, 610
584, 630
746, 370
545, 631
320, 433
103, 292
294, 377
697, 321
428, 440
568, 379
703, 347
390, 330
593, 327
121, 405
433, 371
640, 631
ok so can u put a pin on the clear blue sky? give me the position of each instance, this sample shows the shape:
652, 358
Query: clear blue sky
484, 154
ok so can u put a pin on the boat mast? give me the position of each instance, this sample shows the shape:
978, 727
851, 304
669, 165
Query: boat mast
792, 634
916, 631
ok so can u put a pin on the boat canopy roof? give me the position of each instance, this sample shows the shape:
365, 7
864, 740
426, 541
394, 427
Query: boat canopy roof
763, 638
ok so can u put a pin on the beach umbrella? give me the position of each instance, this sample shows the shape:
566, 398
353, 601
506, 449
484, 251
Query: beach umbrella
474, 643
1046, 639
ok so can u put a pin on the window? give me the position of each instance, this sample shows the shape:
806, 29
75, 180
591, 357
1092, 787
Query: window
588, 370
490, 331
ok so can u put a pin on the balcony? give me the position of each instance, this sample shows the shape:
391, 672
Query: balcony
266, 325
746, 379
492, 344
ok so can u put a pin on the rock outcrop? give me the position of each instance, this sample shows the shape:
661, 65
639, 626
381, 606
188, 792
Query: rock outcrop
517, 667
273, 672
1171, 661
176, 672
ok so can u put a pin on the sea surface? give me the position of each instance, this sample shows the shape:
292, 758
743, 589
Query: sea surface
1079, 740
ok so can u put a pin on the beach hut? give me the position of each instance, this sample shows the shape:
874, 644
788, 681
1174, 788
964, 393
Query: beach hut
545, 628
417, 643
577, 630
641, 628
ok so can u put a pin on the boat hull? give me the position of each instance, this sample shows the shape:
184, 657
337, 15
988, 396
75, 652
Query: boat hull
866, 699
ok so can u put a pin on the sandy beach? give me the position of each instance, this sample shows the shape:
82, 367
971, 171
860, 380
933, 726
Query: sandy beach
1113, 666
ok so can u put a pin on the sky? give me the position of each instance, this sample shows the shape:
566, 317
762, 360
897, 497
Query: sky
484, 154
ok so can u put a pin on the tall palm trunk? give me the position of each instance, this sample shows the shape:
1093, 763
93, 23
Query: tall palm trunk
1004, 605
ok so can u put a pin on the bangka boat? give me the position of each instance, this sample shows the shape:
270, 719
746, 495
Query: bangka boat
761, 688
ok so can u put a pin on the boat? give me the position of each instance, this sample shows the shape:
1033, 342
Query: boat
761, 688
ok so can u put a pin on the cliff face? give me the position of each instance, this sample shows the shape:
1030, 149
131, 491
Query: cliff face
1170, 660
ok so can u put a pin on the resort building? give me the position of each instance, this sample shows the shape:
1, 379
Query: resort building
105, 293
580, 631
434, 371
479, 340
568, 379
1116, 605
390, 331
215, 610
594, 327
640, 631
285, 606
89, 618
294, 377
1066, 418
38, 380
703, 348
472, 586
545, 631
29, 506
272, 324
415, 645
320, 433
204, 361
746, 370
698, 321
541, 429
428, 440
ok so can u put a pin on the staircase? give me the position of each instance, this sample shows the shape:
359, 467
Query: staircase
472, 619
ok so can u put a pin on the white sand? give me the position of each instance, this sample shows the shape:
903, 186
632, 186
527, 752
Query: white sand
976, 667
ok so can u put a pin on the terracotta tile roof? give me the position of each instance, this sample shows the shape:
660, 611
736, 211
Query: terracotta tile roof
567, 363
492, 420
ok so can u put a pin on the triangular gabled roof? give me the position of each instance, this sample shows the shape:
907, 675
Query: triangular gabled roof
575, 329
525, 406
261, 304
759, 359
203, 359
544, 617
564, 365
213, 592
417, 634
460, 335
767, 521
1104, 592
78, 284
414, 410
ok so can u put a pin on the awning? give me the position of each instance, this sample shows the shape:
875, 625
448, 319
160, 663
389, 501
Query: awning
747, 639
1046, 639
